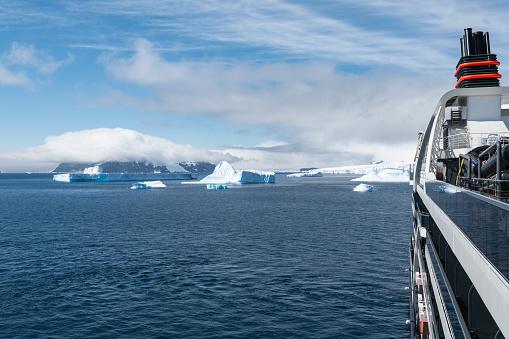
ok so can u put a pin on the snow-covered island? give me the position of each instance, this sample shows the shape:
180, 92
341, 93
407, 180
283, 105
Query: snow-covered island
224, 173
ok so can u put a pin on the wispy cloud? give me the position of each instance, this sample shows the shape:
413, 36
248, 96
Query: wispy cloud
278, 27
28, 56
12, 78
315, 105
411, 34
23, 65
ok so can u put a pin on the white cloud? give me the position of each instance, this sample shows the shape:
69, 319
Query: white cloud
27, 55
118, 144
9, 77
271, 144
317, 107
18, 63
291, 158
277, 27
101, 144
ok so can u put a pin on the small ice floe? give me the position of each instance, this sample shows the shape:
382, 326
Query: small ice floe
448, 189
305, 174
363, 188
148, 184
216, 187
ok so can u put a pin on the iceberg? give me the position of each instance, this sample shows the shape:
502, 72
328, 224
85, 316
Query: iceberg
396, 173
224, 173
148, 184
305, 174
95, 174
216, 187
64, 177
363, 188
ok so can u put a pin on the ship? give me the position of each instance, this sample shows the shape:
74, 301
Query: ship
459, 247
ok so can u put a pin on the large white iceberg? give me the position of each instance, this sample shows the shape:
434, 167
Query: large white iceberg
391, 173
224, 173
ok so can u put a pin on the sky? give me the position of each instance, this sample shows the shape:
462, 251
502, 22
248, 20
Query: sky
265, 84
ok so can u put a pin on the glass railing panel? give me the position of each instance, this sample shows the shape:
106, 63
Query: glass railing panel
485, 223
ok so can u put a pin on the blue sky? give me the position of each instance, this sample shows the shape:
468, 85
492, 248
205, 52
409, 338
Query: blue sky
265, 84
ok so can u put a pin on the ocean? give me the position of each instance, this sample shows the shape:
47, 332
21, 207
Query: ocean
304, 258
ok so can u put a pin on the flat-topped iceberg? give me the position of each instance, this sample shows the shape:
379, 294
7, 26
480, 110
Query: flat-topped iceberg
224, 173
148, 184
93, 176
63, 177
363, 188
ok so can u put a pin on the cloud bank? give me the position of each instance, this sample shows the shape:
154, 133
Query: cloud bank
102, 144
119, 144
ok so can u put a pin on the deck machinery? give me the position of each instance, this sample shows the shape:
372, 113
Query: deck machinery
459, 249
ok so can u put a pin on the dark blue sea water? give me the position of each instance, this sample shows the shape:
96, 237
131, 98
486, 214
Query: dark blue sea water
306, 258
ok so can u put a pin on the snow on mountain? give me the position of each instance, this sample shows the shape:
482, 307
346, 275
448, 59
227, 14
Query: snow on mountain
199, 167
92, 170
195, 167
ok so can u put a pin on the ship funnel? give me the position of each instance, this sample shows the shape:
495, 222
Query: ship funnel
477, 67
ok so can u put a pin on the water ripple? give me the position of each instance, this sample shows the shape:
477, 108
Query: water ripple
293, 260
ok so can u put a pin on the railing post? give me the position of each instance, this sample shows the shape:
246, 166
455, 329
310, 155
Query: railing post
479, 163
469, 173
499, 156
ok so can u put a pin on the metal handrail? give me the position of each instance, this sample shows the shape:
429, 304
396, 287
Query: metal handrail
468, 140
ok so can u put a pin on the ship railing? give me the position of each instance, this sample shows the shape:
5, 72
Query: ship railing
470, 140
491, 187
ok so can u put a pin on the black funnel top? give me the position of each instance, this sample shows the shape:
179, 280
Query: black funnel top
477, 67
